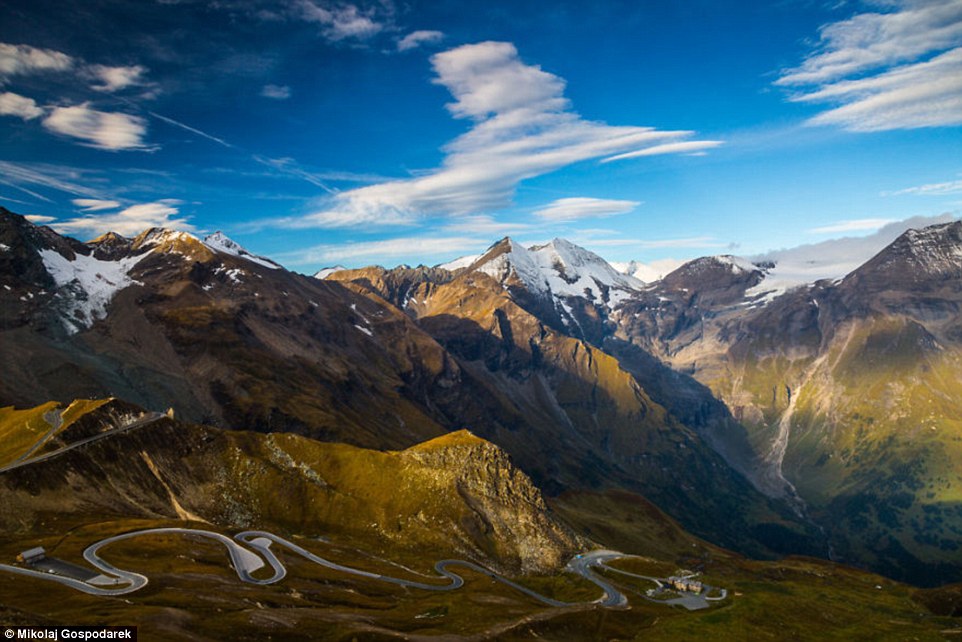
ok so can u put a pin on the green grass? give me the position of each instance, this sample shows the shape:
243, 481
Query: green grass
384, 512
21, 429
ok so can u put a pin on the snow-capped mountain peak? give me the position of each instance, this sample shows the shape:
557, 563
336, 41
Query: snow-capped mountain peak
932, 255
559, 268
323, 273
507, 260
157, 236
571, 270
935, 249
219, 242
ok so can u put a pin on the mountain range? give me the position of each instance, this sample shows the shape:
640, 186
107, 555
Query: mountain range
556, 399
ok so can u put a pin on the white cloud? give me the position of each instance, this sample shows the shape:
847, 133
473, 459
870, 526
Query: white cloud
489, 80
691, 146
16, 105
130, 221
425, 248
113, 79
883, 71
10, 199
63, 179
277, 92
95, 204
342, 22
872, 40
834, 258
523, 127
573, 209
932, 189
857, 225
103, 130
24, 59
649, 272
39, 219
417, 38
927, 94
483, 224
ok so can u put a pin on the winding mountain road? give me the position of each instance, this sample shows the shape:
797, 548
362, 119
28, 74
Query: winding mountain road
149, 418
116, 581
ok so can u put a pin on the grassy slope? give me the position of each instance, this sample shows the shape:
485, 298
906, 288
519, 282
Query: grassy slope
876, 441
21, 429
362, 500
194, 594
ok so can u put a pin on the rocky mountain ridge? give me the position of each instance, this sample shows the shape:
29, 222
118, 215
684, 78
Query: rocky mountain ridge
834, 379
834, 398
848, 390
383, 359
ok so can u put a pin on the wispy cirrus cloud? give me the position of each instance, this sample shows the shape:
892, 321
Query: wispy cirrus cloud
856, 225
342, 21
684, 147
574, 209
427, 248
39, 219
522, 127
900, 69
192, 130
483, 224
111, 131
95, 204
130, 221
56, 177
417, 38
12, 104
931, 189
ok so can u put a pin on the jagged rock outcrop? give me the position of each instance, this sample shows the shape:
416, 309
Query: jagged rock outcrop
457, 495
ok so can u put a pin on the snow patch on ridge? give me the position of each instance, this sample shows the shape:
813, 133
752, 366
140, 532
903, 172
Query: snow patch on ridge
462, 262
89, 284
560, 269
219, 242
323, 273
571, 270
364, 330
736, 263
518, 261
833, 259
648, 272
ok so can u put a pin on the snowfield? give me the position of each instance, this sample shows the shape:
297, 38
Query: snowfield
219, 242
90, 285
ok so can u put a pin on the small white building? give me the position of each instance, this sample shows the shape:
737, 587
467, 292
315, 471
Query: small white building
32, 555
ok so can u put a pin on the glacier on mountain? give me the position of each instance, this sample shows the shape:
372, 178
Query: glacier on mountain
88, 284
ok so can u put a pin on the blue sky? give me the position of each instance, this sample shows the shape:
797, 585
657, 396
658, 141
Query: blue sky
359, 132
